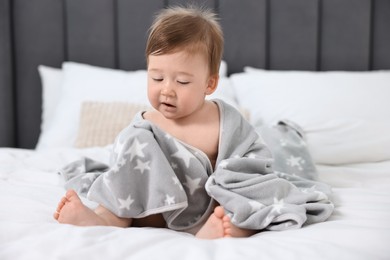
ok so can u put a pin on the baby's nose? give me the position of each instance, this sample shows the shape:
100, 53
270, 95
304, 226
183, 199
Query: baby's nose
168, 92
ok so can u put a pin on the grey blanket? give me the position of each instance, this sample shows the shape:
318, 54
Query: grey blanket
152, 172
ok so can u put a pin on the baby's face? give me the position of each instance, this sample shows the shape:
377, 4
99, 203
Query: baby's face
178, 83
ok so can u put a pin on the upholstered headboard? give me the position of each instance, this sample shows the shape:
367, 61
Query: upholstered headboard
270, 34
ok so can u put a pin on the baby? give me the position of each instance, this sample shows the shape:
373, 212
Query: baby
189, 164
183, 51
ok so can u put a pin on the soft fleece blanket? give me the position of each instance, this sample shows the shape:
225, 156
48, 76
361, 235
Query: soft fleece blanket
152, 172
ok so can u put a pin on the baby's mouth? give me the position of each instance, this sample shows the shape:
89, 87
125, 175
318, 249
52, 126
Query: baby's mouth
167, 104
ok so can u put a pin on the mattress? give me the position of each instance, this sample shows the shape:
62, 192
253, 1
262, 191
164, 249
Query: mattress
30, 189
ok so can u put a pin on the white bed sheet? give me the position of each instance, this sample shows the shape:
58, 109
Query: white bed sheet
30, 190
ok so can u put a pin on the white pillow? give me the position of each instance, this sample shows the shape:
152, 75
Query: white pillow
337, 110
225, 91
81, 83
223, 69
65, 90
51, 79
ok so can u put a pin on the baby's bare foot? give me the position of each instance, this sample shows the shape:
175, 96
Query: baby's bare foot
71, 210
213, 228
231, 230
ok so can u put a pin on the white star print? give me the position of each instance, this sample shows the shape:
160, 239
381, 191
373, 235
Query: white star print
136, 149
255, 205
320, 194
125, 203
177, 182
174, 165
283, 175
192, 184
309, 190
295, 162
223, 164
259, 140
251, 156
169, 200
183, 154
122, 161
283, 142
119, 147
268, 219
115, 168
80, 169
278, 205
142, 166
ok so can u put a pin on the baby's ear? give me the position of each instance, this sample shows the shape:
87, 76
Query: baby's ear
212, 84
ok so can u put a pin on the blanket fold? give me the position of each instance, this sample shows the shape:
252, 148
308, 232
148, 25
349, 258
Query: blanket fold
253, 201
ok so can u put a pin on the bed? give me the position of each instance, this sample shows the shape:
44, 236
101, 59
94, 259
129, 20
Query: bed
65, 71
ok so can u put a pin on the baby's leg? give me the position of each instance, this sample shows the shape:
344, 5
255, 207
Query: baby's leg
71, 210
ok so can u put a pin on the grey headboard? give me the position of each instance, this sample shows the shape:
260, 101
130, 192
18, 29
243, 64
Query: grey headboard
270, 34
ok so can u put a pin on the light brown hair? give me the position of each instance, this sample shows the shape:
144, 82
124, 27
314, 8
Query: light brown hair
191, 29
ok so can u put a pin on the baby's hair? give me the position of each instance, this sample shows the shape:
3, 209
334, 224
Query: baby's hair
192, 29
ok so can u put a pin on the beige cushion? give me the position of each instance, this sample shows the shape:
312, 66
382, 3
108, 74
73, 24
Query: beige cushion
101, 122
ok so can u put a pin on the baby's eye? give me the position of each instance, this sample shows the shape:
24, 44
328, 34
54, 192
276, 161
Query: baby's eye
182, 82
157, 79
